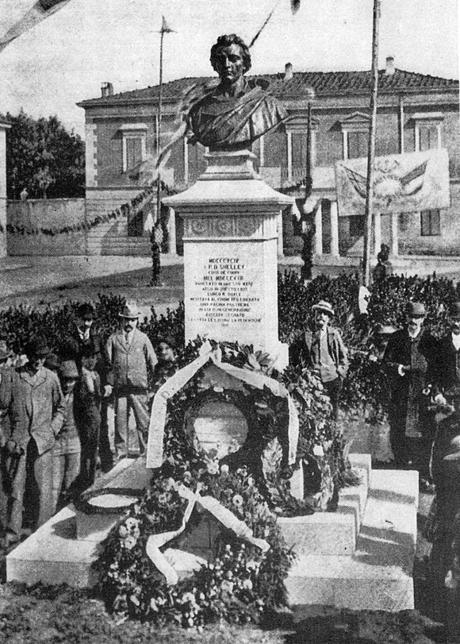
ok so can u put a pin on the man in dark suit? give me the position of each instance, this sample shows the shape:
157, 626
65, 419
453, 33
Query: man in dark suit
83, 336
448, 360
324, 352
410, 361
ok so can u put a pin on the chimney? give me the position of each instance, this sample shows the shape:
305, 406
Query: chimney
389, 66
288, 73
106, 90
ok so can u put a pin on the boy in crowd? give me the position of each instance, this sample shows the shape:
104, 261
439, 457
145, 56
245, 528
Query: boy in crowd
66, 450
88, 396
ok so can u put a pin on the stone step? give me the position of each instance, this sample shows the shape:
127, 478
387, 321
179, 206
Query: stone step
378, 575
54, 555
331, 533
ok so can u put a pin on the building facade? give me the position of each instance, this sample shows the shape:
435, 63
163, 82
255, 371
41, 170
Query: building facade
415, 112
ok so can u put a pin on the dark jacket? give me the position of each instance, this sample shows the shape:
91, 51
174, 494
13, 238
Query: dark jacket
72, 346
407, 393
447, 367
337, 350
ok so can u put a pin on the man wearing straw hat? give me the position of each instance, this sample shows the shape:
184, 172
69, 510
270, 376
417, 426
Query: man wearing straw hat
325, 352
130, 354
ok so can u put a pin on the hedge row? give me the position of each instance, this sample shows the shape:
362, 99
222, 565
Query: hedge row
387, 304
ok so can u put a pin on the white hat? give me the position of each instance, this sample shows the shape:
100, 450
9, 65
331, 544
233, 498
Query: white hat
130, 311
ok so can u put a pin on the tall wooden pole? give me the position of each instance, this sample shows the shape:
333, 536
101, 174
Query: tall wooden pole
371, 149
160, 99
308, 173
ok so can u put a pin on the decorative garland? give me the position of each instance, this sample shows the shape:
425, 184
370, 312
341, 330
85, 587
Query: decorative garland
241, 583
136, 204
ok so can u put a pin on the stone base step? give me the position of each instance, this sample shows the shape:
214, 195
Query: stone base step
54, 555
332, 533
378, 575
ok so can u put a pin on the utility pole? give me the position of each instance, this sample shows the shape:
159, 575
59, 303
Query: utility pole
160, 101
308, 173
371, 148
156, 234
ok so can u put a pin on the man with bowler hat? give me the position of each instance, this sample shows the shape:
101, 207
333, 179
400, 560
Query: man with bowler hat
410, 361
33, 397
131, 355
324, 352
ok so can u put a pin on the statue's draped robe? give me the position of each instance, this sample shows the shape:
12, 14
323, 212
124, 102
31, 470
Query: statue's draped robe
219, 121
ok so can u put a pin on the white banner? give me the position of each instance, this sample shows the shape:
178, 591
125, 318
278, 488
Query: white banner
402, 183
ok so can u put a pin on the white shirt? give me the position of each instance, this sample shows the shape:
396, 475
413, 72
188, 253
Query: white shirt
84, 334
456, 340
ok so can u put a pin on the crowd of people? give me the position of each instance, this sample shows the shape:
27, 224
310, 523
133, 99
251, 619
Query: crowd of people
55, 405
54, 413
422, 375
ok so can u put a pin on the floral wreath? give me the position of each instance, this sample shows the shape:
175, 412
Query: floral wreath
240, 583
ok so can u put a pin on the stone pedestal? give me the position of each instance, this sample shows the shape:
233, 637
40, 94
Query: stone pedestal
230, 254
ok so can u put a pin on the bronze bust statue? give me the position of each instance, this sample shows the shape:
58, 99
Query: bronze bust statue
237, 111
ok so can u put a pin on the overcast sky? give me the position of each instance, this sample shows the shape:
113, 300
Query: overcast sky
65, 58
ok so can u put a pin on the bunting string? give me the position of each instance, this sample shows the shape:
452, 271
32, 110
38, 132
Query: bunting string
127, 209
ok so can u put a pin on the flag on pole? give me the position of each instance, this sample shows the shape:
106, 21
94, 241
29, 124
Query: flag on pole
165, 28
38, 12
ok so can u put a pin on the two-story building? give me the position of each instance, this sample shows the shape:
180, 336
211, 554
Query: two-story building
415, 112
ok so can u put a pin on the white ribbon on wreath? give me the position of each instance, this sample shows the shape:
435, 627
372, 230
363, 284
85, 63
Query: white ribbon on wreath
181, 377
217, 510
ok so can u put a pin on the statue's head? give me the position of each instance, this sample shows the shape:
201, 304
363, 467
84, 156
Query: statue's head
230, 51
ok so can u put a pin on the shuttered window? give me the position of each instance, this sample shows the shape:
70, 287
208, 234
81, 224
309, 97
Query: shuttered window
430, 223
357, 144
133, 152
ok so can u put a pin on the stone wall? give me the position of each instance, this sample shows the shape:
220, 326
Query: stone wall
108, 238
50, 214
